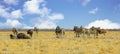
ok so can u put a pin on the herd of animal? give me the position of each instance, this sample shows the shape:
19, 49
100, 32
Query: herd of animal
17, 35
60, 32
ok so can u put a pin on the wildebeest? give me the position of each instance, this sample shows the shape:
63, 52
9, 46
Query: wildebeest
59, 32
102, 31
15, 32
30, 32
19, 36
22, 36
36, 30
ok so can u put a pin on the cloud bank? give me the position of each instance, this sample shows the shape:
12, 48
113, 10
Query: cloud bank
106, 24
46, 18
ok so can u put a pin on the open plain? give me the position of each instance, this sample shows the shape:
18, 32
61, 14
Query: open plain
47, 43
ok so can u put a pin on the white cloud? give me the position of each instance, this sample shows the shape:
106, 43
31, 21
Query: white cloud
46, 24
106, 24
85, 2
16, 14
3, 12
11, 2
44, 11
13, 23
27, 27
10, 23
47, 19
32, 6
93, 11
56, 16
49, 22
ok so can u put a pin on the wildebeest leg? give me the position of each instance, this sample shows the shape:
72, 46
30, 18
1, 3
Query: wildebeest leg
31, 35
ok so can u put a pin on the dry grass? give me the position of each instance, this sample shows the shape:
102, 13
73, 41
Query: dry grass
46, 43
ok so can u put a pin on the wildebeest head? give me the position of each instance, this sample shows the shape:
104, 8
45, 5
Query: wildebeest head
30, 32
12, 36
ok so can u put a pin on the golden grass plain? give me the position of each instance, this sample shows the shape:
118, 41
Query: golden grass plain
46, 43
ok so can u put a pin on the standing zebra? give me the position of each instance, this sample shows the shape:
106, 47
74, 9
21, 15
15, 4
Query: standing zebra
36, 30
15, 32
59, 32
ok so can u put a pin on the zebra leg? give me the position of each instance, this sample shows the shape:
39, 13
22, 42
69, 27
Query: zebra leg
76, 34
97, 35
83, 34
57, 36
94, 36
88, 35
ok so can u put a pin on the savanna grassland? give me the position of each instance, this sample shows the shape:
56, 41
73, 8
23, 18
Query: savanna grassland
46, 43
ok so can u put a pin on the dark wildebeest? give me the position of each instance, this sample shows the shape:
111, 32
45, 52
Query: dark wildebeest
22, 36
59, 32
15, 32
101, 31
19, 36
36, 30
30, 32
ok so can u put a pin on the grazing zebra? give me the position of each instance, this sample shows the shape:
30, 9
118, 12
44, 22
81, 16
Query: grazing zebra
36, 30
84, 31
77, 31
94, 31
15, 32
30, 32
97, 31
59, 32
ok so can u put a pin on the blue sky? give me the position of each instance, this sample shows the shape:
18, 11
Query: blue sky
65, 13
